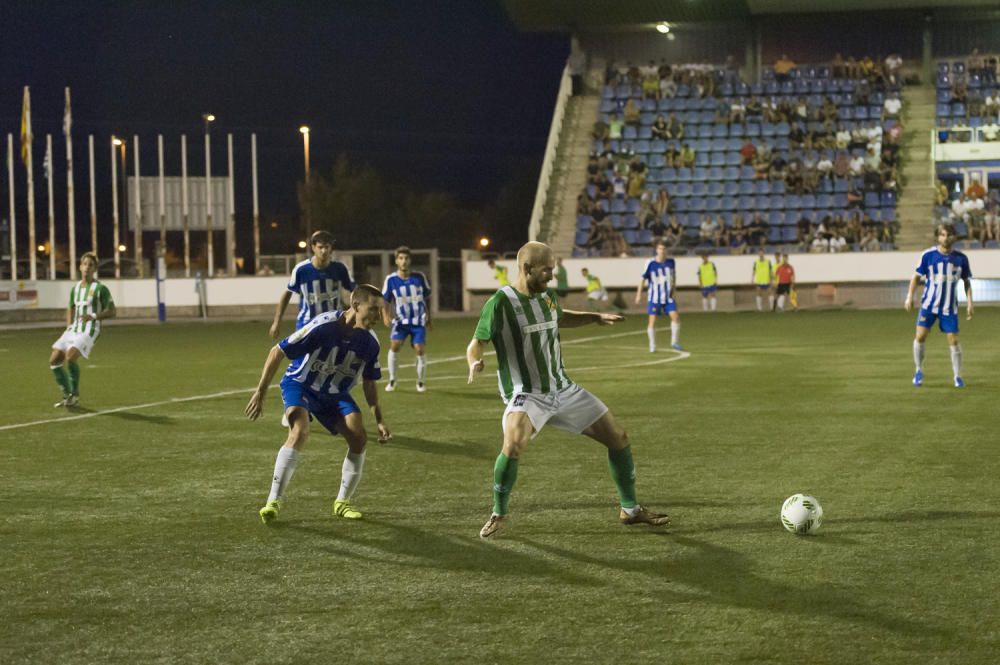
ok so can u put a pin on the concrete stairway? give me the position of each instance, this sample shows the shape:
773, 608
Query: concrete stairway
569, 173
915, 209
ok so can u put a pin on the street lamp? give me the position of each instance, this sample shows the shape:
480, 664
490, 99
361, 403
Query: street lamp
304, 130
120, 144
208, 118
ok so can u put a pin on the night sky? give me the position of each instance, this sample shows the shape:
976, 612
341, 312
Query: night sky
446, 95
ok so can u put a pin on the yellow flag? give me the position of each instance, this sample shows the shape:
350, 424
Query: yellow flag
26, 136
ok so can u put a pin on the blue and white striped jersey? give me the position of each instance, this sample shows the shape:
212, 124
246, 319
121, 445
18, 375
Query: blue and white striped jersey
410, 297
332, 357
942, 273
318, 288
660, 278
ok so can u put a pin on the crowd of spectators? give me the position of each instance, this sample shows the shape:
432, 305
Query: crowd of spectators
975, 212
968, 99
829, 148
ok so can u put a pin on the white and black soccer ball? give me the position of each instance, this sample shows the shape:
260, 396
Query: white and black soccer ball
801, 514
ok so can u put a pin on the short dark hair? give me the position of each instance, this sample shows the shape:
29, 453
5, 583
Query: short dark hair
366, 292
949, 228
321, 236
402, 249
88, 255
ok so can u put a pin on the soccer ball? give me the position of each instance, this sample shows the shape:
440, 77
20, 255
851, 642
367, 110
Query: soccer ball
801, 514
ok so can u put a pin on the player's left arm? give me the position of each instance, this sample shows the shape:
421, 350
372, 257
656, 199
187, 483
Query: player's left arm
427, 300
573, 319
108, 310
370, 388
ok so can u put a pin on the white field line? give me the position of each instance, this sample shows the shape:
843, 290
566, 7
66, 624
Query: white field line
225, 393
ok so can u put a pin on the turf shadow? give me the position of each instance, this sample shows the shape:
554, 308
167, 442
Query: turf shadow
142, 418
438, 448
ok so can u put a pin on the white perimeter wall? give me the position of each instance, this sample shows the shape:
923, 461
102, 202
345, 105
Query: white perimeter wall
736, 270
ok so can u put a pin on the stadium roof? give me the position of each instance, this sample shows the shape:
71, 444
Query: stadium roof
544, 15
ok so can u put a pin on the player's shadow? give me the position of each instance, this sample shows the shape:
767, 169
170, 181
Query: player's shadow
726, 577
141, 418
410, 547
438, 448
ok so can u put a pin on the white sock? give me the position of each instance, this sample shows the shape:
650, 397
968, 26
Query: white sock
350, 474
760, 304
781, 303
918, 354
284, 468
675, 332
421, 368
956, 360
704, 304
715, 303
770, 302
651, 334
393, 365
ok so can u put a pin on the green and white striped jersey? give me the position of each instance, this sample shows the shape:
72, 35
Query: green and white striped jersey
524, 331
86, 299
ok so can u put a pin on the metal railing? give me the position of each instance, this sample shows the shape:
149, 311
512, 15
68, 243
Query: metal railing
545, 177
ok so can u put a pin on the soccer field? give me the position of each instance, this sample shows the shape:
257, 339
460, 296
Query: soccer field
129, 531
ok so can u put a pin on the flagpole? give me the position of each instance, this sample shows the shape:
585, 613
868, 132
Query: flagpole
163, 193
116, 242
256, 210
26, 139
208, 202
70, 204
137, 237
52, 207
13, 220
93, 195
231, 218
184, 206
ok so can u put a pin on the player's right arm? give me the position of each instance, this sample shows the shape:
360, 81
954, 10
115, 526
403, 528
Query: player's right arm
487, 325
256, 404
279, 313
638, 291
914, 281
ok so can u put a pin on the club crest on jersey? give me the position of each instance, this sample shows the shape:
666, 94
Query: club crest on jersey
549, 301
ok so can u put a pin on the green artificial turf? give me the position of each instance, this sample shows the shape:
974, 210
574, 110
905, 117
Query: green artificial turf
132, 536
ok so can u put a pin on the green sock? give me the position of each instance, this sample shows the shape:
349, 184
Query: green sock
62, 379
504, 475
623, 473
74, 378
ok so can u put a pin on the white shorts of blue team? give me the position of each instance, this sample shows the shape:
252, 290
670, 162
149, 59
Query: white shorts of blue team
83, 342
572, 409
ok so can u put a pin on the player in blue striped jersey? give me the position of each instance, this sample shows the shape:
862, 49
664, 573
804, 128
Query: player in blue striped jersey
336, 349
660, 274
409, 293
317, 281
941, 269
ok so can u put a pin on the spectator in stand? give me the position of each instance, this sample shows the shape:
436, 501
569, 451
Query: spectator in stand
668, 88
975, 63
991, 221
584, 203
661, 206
838, 243
675, 128
824, 167
943, 132
674, 232
853, 230
708, 232
843, 138
615, 126
651, 86
841, 165
975, 210
778, 167
872, 161
941, 195
656, 227
975, 189
869, 243
783, 67
748, 152
600, 132
959, 91
801, 111
686, 156
659, 128
737, 111
737, 235
990, 131
636, 183
891, 107
631, 113
838, 68
857, 166
604, 188
828, 111
960, 132
793, 177
893, 69
722, 108
803, 231
757, 230
991, 105
820, 244
761, 166
671, 156
754, 109
975, 105
620, 186
796, 135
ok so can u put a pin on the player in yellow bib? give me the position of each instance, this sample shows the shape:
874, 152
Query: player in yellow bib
499, 272
763, 275
708, 280
596, 293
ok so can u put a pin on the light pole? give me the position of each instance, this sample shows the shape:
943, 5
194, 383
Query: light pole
304, 130
117, 143
209, 119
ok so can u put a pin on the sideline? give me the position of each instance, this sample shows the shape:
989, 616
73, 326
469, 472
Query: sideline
681, 355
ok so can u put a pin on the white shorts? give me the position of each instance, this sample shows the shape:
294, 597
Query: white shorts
83, 342
599, 294
572, 409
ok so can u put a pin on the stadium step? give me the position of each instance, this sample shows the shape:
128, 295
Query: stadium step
915, 209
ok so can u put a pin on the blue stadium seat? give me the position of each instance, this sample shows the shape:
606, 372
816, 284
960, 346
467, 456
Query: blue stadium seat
714, 189
888, 199
792, 201
746, 188
696, 205
618, 205
580, 238
583, 222
699, 187
645, 132
777, 201
824, 201
632, 205
607, 106
762, 187
792, 217
631, 237
840, 185
731, 173
808, 201
888, 214
684, 175
731, 188
716, 173
789, 234
645, 237
774, 234
629, 133
642, 146
631, 222
681, 189
775, 218
680, 204
718, 159
712, 205
778, 187
763, 203
746, 173
871, 200
728, 203
720, 131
